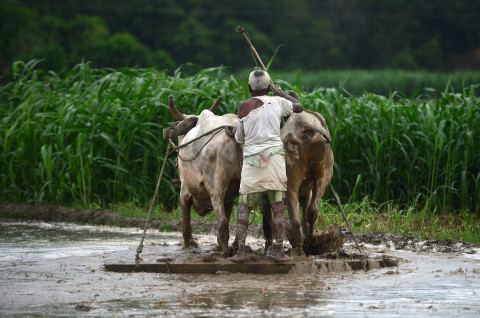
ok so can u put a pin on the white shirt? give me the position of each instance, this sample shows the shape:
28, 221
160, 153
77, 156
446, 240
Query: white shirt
260, 129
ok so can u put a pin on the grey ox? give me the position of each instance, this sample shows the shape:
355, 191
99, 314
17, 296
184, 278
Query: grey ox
210, 170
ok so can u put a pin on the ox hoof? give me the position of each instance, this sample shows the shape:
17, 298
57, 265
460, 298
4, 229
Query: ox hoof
297, 251
190, 244
224, 251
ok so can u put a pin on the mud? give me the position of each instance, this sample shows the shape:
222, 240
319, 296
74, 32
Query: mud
57, 269
410, 243
326, 240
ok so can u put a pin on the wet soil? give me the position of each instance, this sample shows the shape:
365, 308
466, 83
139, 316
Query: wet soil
58, 269
48, 213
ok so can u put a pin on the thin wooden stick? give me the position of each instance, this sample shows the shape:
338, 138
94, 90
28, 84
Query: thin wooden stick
140, 246
344, 216
245, 34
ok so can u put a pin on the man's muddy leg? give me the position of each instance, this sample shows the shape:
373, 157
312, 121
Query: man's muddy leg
242, 227
279, 223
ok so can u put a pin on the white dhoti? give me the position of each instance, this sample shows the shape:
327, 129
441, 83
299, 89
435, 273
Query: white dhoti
259, 179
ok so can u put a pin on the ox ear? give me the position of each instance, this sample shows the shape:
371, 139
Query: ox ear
176, 114
214, 107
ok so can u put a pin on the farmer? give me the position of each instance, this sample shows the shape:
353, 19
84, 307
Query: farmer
263, 179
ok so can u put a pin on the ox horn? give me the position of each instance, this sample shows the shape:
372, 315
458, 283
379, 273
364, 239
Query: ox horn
176, 114
214, 107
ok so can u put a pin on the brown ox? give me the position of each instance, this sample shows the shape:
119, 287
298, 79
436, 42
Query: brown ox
309, 162
209, 169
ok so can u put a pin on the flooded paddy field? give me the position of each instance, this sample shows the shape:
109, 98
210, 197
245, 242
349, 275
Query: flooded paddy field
57, 269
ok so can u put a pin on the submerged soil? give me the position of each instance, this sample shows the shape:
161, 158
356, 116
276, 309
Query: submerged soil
49, 213
56, 268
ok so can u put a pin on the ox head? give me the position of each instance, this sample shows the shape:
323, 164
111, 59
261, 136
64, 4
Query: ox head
184, 122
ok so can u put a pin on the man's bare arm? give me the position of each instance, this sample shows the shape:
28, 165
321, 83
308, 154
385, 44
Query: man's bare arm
297, 107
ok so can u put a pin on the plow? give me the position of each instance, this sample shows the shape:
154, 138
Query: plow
322, 265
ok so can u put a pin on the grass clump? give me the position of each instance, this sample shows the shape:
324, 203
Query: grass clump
411, 220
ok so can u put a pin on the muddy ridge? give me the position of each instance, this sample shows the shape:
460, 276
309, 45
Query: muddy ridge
48, 213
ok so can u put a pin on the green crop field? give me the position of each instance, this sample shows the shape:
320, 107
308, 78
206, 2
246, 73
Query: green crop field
383, 82
93, 137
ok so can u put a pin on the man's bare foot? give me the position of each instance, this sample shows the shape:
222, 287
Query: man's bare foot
282, 258
238, 258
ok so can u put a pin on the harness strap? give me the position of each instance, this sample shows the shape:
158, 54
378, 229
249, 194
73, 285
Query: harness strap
177, 148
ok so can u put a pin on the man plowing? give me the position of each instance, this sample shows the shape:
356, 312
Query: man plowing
263, 178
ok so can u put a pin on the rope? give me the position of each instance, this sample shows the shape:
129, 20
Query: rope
199, 137
194, 157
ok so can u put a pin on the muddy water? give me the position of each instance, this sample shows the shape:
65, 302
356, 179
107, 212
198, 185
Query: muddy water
57, 270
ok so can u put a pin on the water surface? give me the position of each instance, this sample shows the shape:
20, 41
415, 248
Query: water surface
57, 270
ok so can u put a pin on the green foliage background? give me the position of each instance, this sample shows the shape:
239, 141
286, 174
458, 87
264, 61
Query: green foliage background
92, 137
342, 34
